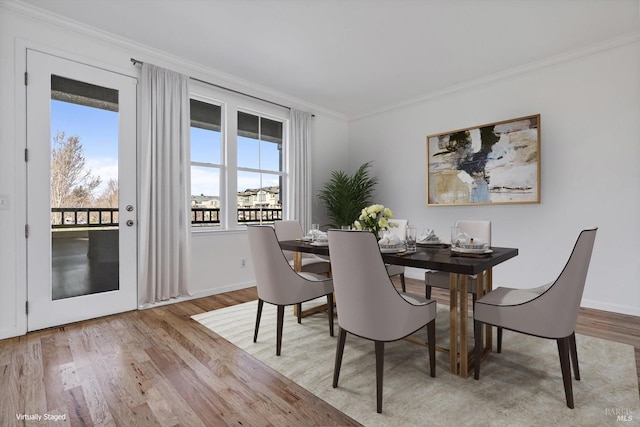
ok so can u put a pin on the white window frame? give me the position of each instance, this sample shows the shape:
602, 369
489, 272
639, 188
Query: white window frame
230, 104
222, 166
284, 172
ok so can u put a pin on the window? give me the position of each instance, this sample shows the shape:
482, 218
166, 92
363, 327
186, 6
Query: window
238, 168
206, 163
260, 167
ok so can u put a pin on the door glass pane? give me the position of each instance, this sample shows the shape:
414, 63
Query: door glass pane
84, 188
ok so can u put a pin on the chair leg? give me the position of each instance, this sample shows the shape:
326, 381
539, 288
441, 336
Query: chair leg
574, 356
279, 324
258, 316
404, 286
477, 351
379, 374
427, 293
330, 306
563, 351
342, 337
499, 340
431, 336
299, 310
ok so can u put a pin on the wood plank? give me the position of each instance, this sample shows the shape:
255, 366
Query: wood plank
12, 380
77, 411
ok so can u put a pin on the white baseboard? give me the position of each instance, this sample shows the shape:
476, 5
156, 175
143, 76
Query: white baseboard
615, 308
201, 294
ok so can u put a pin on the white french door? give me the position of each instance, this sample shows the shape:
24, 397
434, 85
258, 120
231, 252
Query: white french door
81, 191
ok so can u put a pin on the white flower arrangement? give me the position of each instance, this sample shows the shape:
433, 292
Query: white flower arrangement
374, 218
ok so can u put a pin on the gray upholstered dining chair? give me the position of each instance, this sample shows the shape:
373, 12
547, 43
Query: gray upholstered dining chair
369, 306
311, 263
278, 284
400, 230
477, 229
548, 311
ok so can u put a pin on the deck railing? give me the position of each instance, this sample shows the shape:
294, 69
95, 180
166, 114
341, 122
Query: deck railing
108, 217
84, 217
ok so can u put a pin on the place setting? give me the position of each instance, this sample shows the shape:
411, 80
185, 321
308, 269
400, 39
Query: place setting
429, 239
464, 245
391, 244
316, 237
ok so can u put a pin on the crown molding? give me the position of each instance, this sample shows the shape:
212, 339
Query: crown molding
512, 72
145, 53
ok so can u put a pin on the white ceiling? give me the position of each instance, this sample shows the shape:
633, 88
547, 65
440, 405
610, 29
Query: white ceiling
358, 56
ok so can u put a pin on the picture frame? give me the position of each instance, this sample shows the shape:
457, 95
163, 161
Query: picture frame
495, 163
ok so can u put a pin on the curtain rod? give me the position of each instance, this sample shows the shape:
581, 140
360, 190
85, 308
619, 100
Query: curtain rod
136, 62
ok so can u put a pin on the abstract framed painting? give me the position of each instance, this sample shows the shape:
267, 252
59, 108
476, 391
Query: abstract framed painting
496, 163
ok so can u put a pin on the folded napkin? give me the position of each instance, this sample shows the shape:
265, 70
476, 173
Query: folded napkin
389, 239
461, 239
427, 236
319, 235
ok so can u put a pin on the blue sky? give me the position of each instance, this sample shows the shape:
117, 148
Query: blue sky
206, 147
98, 132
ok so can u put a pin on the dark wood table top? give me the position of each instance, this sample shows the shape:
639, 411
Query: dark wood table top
426, 257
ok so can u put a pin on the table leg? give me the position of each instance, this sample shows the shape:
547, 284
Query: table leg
453, 323
480, 281
297, 261
488, 286
297, 266
464, 327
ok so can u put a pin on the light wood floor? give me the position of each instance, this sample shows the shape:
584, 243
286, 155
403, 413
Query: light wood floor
159, 367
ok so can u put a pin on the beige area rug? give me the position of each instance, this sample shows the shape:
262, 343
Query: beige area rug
522, 386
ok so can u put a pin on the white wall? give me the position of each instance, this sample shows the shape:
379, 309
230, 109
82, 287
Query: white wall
590, 146
217, 256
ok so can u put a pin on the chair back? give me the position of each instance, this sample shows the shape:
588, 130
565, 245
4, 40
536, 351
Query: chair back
400, 230
478, 229
288, 230
368, 304
561, 301
276, 281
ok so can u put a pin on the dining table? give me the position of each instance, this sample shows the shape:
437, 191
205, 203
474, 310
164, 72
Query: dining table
459, 266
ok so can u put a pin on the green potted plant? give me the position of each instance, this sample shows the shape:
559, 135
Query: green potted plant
345, 196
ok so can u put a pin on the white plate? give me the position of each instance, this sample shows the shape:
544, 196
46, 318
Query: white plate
472, 251
319, 243
392, 250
